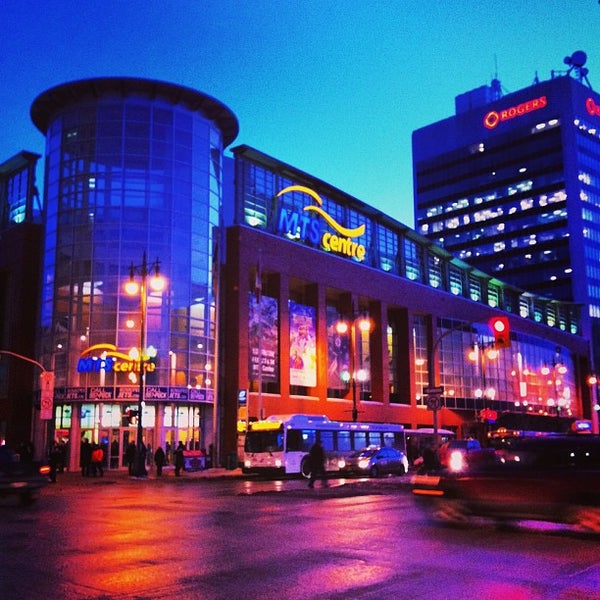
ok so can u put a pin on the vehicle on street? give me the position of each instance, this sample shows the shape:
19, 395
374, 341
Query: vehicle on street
376, 461
548, 478
22, 479
419, 440
280, 443
453, 453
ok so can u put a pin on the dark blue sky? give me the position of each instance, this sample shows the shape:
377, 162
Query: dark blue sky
332, 87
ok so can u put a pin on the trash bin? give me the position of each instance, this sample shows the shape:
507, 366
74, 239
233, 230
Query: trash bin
231, 462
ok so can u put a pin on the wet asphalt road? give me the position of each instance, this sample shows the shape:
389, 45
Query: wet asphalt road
229, 537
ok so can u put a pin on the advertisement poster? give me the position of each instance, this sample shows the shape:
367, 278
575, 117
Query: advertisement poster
303, 346
338, 354
263, 338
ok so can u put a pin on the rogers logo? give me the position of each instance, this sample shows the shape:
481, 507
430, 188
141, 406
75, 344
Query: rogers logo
493, 118
592, 107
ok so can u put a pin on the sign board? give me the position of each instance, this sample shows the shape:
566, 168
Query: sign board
435, 391
47, 395
433, 401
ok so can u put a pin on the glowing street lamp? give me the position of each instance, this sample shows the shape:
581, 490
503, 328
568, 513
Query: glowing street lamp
132, 287
361, 375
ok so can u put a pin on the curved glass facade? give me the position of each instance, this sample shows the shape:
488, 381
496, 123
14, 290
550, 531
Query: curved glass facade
133, 170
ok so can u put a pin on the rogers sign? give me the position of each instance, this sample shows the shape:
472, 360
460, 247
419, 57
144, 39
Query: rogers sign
494, 117
592, 107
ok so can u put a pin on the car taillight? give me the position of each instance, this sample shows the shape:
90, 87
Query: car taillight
45, 470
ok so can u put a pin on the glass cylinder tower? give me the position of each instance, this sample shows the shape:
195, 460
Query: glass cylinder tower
133, 185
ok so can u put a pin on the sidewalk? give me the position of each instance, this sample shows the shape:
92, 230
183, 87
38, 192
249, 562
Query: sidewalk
168, 474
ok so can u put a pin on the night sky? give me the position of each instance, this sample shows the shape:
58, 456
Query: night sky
332, 87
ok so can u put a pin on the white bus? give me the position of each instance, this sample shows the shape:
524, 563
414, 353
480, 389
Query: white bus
281, 443
419, 439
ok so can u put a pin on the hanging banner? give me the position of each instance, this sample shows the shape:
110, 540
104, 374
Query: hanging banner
263, 331
303, 347
338, 354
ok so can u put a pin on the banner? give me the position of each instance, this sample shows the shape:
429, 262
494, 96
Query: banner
303, 347
263, 326
338, 354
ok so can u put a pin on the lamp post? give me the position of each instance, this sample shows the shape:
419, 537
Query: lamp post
593, 382
132, 287
364, 325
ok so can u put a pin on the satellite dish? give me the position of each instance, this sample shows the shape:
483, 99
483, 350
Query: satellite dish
576, 62
578, 58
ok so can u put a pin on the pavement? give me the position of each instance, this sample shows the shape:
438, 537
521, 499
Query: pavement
337, 486
115, 475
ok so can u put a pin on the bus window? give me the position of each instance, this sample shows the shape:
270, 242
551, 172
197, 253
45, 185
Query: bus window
327, 440
374, 438
264, 441
343, 441
309, 437
360, 440
389, 440
294, 440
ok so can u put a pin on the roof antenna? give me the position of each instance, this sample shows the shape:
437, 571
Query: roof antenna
496, 85
536, 79
576, 62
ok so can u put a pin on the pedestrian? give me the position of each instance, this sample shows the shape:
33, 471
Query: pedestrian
54, 458
149, 456
130, 457
85, 457
159, 460
317, 464
211, 456
179, 459
97, 458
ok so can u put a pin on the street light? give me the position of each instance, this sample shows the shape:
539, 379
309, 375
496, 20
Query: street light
364, 325
132, 287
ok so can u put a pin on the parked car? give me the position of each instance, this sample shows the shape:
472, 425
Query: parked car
376, 461
553, 478
22, 479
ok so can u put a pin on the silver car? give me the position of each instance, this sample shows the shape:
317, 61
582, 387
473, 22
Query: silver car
376, 461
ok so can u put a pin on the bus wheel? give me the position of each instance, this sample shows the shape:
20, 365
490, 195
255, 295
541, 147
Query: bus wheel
305, 467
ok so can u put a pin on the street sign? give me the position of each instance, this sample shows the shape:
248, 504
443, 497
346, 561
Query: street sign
435, 391
46, 395
433, 402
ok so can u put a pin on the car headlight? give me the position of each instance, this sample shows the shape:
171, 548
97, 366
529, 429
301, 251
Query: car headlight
457, 461
341, 463
363, 463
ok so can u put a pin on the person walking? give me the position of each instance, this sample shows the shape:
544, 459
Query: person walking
54, 461
85, 457
179, 459
130, 457
97, 459
159, 460
317, 464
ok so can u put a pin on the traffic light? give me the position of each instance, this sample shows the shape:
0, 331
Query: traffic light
501, 328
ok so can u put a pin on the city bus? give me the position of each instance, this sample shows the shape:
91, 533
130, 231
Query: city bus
419, 439
281, 443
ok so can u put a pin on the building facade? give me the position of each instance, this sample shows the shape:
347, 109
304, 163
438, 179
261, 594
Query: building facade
21, 236
511, 185
263, 264
133, 186
302, 257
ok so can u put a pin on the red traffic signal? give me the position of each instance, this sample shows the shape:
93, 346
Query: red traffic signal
501, 329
